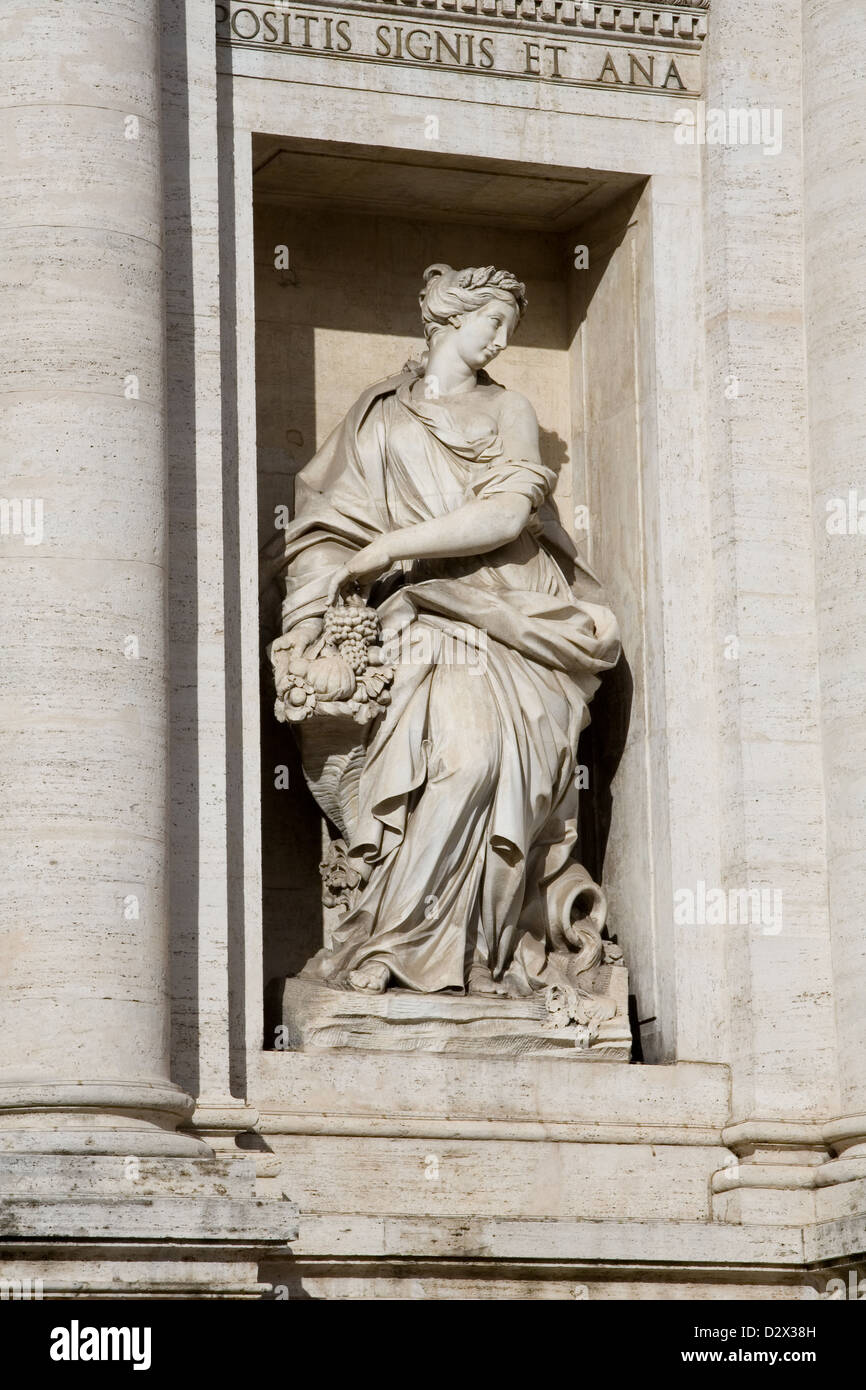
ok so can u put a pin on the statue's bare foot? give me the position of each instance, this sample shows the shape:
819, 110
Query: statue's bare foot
371, 978
482, 982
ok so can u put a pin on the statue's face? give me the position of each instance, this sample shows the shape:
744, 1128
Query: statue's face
482, 334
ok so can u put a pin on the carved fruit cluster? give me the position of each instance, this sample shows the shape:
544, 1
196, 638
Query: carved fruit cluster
352, 628
300, 699
344, 670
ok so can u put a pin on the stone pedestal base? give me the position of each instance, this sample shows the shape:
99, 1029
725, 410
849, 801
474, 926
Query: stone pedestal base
315, 1017
107, 1227
432, 1176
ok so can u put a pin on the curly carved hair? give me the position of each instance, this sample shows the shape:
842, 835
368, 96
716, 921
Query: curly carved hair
448, 292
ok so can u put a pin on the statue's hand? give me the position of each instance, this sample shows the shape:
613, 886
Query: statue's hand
363, 568
286, 649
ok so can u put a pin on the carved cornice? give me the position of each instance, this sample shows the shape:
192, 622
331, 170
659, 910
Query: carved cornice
676, 19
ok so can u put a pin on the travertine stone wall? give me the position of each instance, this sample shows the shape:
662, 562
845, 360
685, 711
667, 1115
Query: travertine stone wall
608, 399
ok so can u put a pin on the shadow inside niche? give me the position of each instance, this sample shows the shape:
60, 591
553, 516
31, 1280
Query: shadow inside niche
634, 1024
554, 450
600, 751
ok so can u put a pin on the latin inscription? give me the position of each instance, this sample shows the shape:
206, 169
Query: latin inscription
451, 48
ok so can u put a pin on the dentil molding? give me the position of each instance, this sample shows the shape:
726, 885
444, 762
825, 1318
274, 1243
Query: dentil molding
678, 19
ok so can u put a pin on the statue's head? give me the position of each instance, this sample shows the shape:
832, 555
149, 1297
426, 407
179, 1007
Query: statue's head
480, 307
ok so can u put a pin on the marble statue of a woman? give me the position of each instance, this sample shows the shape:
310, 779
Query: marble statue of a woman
457, 796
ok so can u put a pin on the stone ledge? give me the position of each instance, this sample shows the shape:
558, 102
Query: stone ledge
431, 1127
168, 1221
646, 1243
418, 1087
843, 1239
773, 1134
103, 1177
643, 1245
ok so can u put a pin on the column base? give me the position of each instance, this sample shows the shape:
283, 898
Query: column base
97, 1117
784, 1173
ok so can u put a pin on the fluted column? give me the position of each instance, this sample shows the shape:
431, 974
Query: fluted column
84, 1056
834, 128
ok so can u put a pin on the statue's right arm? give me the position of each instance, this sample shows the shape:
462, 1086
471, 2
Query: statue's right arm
314, 565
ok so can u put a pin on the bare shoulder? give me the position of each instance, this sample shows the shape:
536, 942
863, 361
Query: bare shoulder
513, 405
515, 416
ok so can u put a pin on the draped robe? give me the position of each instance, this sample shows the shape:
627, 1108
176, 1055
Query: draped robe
467, 795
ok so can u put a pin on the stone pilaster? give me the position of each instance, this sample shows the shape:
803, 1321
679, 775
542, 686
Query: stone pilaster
834, 130
779, 990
